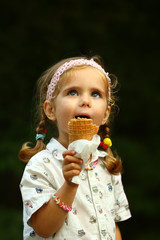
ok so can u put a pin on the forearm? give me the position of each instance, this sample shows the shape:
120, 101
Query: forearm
118, 233
50, 217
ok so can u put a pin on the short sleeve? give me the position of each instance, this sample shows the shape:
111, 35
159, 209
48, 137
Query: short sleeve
121, 206
36, 187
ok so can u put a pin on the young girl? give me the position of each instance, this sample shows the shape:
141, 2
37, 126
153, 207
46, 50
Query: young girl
54, 206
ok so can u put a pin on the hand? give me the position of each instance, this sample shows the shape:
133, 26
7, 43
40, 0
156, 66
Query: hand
71, 165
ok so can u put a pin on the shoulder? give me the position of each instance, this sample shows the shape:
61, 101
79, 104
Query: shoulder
40, 157
117, 180
46, 163
53, 152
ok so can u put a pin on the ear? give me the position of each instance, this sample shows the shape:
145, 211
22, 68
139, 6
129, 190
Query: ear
106, 116
49, 110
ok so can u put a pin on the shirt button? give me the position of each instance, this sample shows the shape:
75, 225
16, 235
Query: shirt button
96, 200
55, 153
103, 226
90, 173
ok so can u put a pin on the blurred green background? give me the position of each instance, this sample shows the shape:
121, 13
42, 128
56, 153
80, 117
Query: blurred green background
36, 34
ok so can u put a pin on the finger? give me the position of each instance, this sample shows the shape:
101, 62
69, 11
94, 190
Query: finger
71, 166
70, 174
69, 159
69, 152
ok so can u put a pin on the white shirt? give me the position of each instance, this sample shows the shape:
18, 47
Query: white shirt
100, 200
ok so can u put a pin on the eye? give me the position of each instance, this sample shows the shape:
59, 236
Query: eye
72, 93
96, 94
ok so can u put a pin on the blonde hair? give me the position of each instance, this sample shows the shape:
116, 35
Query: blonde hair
113, 164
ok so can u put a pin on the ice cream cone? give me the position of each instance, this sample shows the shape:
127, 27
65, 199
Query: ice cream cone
81, 128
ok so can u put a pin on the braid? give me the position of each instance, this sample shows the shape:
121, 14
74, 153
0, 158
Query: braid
113, 164
26, 151
42, 123
104, 131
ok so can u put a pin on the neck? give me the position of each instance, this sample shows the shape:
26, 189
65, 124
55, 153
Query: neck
64, 141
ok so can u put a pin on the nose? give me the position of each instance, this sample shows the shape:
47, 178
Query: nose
85, 100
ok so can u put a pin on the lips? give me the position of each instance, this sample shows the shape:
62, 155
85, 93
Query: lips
82, 116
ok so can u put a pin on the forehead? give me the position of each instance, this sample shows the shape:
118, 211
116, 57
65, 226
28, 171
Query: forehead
79, 72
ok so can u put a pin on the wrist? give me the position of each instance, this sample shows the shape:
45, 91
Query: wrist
61, 204
67, 193
71, 185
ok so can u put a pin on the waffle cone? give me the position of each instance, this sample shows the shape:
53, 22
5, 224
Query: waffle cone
81, 128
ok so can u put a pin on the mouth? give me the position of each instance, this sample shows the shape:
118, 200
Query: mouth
82, 116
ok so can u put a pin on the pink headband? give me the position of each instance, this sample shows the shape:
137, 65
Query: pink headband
66, 66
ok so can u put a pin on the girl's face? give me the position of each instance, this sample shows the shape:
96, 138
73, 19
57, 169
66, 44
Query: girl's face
83, 93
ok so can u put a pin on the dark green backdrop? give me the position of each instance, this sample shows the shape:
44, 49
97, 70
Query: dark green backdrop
36, 34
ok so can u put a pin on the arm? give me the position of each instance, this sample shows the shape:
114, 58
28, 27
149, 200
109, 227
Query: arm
50, 217
118, 233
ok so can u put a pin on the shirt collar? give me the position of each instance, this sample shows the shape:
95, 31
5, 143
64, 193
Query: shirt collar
98, 154
56, 148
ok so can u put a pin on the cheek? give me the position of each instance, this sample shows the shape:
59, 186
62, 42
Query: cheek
100, 114
64, 110
67, 107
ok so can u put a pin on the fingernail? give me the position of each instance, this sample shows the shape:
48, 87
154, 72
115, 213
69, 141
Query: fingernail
73, 152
